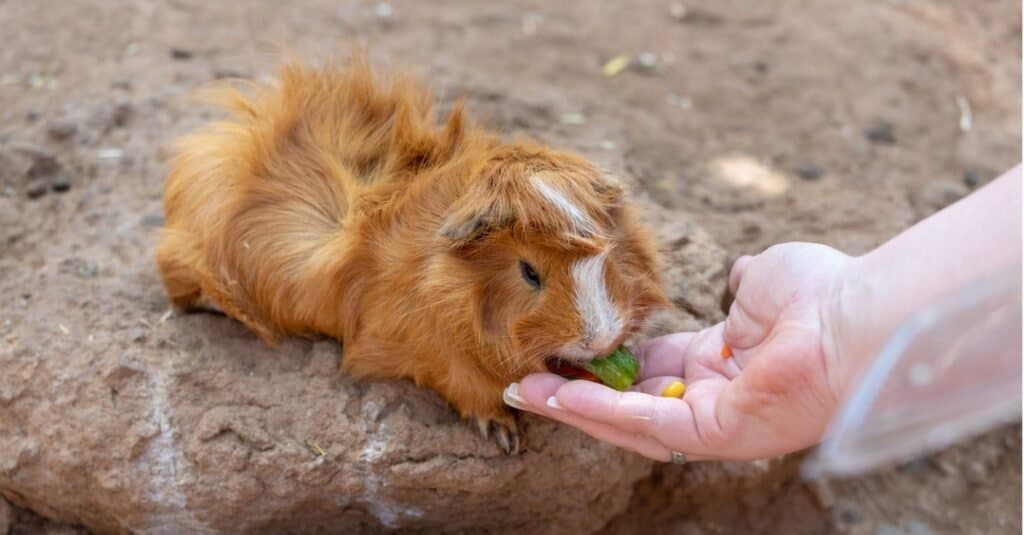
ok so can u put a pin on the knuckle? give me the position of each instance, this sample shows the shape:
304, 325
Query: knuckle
713, 434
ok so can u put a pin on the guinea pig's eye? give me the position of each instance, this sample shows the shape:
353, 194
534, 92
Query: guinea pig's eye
529, 274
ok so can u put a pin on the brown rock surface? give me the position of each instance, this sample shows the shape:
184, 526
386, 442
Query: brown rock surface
6, 516
124, 418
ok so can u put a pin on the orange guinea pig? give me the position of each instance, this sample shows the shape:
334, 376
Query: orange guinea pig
330, 202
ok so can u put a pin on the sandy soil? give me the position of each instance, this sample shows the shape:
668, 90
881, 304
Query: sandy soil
850, 117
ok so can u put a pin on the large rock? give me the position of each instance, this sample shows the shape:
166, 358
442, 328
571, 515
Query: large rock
123, 418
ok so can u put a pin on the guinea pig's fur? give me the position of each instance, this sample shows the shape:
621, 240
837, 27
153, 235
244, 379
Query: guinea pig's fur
330, 202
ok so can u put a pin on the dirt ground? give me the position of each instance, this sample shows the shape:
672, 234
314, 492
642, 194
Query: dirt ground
850, 120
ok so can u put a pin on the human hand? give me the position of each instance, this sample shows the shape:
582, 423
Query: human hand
775, 395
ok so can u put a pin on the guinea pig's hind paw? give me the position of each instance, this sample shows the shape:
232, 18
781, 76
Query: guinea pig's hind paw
506, 434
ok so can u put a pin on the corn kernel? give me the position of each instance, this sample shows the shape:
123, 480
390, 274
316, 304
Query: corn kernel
674, 390
726, 352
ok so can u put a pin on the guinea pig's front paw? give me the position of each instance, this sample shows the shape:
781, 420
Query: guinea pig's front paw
506, 433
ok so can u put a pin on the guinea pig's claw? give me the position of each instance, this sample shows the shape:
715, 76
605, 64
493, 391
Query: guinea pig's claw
506, 434
501, 434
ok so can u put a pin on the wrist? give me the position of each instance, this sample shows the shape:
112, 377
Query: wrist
854, 335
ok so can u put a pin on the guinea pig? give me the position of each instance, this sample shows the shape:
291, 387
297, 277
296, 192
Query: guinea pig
330, 202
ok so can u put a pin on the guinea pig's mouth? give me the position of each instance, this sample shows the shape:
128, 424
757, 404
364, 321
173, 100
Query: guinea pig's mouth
568, 369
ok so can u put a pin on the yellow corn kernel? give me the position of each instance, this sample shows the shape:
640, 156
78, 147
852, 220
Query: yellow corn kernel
674, 390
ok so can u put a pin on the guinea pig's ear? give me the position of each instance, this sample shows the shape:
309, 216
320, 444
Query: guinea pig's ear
470, 218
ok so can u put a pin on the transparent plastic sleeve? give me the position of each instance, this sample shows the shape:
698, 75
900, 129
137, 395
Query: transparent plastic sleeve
949, 373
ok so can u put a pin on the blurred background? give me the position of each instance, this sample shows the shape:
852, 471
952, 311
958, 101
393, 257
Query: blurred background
831, 121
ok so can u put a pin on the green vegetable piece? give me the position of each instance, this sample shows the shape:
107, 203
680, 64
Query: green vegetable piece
617, 370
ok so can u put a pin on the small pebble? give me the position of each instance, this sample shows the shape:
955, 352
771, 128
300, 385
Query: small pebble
181, 54
751, 230
880, 132
36, 189
573, 118
761, 66
809, 171
61, 184
32, 116
849, 516
109, 153
384, 10
645, 62
123, 83
121, 114
972, 178
61, 129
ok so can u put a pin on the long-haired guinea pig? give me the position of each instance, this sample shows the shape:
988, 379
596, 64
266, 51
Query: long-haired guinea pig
330, 202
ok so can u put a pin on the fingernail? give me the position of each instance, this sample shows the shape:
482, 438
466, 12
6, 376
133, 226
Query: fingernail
553, 403
512, 398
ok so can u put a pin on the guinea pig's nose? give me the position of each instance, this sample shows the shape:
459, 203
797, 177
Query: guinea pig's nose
601, 344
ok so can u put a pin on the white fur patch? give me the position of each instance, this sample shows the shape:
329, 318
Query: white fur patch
601, 321
578, 217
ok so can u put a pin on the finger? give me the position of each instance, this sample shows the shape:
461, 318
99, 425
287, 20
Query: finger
658, 417
736, 274
703, 357
536, 389
689, 355
665, 355
632, 411
743, 329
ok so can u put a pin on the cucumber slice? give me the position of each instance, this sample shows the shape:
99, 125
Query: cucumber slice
617, 370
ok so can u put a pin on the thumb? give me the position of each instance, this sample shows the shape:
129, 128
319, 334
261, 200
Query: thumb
744, 329
736, 274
